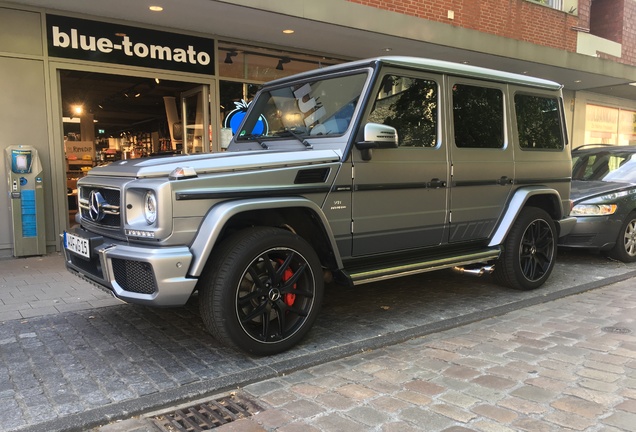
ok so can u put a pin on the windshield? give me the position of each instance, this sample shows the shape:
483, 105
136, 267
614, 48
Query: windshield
605, 166
317, 108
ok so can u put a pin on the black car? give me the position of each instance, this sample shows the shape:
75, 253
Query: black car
604, 195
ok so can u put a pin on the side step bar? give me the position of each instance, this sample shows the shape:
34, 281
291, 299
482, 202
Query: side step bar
363, 276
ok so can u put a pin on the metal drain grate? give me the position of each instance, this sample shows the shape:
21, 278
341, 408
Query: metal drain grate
207, 415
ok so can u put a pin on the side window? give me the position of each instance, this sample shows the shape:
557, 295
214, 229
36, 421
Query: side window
410, 106
478, 116
538, 122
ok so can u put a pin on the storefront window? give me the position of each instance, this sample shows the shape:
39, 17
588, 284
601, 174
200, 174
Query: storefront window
235, 98
627, 127
262, 64
606, 125
243, 69
601, 125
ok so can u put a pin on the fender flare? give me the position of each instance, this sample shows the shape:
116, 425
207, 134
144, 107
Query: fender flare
218, 216
516, 204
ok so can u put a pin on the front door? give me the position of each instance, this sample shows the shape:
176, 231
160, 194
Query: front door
400, 195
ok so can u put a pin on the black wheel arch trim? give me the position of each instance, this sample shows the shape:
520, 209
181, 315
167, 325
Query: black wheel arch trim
519, 199
218, 216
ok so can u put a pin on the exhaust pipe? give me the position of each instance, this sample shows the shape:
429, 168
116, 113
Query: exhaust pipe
488, 269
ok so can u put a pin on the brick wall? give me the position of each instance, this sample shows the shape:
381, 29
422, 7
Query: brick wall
584, 13
516, 19
616, 21
629, 33
606, 19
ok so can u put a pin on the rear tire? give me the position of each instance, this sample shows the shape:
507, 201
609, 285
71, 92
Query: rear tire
625, 248
262, 290
529, 251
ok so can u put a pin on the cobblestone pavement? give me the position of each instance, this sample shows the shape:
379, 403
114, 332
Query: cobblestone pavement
75, 369
568, 364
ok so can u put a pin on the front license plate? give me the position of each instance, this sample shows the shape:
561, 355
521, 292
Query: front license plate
78, 245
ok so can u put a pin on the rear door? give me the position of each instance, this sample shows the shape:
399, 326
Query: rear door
400, 195
482, 160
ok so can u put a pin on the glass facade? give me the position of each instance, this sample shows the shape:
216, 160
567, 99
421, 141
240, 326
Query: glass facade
243, 68
608, 125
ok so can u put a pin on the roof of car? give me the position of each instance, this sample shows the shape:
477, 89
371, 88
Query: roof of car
592, 148
437, 66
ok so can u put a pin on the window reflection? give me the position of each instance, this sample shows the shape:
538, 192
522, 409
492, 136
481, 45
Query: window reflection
410, 106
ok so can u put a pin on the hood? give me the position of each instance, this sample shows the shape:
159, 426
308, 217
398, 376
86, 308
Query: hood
162, 166
585, 189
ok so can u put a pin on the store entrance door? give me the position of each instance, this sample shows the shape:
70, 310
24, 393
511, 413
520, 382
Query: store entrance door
107, 117
195, 115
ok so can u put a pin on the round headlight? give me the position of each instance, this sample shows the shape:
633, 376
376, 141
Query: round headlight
150, 207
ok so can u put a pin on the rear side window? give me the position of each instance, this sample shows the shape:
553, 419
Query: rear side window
478, 116
538, 122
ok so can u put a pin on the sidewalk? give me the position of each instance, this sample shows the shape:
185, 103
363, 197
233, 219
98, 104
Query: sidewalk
568, 364
37, 286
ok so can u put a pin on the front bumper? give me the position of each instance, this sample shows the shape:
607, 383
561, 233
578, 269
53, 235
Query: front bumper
155, 276
593, 232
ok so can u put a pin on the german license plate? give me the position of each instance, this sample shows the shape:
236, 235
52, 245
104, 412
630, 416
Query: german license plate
77, 245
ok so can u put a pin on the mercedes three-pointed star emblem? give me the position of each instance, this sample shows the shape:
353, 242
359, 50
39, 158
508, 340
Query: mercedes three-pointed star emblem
95, 206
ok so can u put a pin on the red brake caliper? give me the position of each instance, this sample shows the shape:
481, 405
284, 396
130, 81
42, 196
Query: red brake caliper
289, 298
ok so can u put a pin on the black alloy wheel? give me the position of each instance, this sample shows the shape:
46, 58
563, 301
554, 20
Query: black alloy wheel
263, 291
529, 251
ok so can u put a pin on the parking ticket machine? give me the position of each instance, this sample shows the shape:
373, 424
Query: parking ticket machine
26, 193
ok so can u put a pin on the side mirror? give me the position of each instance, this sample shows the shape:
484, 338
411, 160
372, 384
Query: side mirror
377, 136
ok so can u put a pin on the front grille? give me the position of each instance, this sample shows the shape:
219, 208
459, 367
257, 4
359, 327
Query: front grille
111, 208
134, 276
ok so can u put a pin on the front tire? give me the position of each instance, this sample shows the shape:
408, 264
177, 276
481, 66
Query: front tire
529, 251
625, 248
262, 290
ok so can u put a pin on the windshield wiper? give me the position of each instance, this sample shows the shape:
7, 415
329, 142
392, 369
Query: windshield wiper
299, 137
254, 137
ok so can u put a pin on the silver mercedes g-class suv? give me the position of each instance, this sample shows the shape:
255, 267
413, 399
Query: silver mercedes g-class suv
355, 173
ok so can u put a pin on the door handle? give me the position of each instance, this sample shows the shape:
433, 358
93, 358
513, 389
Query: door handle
436, 183
504, 180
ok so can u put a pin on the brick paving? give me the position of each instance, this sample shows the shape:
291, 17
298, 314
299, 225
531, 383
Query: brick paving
397, 355
37, 286
561, 365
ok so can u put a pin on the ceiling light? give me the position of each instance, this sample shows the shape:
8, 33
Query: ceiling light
577, 81
73, 120
288, 31
156, 8
157, 80
633, 84
77, 109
